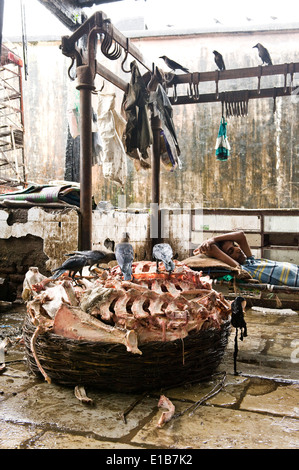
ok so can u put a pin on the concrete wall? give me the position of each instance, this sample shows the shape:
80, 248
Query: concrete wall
34, 237
41, 237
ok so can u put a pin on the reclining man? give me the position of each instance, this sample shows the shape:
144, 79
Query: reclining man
233, 249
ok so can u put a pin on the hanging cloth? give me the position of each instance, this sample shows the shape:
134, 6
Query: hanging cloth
161, 107
138, 133
111, 126
222, 146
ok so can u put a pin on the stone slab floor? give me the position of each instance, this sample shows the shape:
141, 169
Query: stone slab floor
257, 409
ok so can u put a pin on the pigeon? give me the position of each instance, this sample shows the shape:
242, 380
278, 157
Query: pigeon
264, 54
173, 65
73, 265
94, 256
219, 60
124, 253
163, 252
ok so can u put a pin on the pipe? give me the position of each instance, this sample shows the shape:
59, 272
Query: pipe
156, 213
85, 85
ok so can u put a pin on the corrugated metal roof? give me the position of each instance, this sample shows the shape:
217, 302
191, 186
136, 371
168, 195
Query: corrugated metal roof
69, 12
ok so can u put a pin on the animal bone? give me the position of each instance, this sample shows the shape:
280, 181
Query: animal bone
81, 395
166, 416
72, 322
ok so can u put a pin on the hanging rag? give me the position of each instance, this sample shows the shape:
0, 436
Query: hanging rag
222, 145
111, 126
161, 107
138, 133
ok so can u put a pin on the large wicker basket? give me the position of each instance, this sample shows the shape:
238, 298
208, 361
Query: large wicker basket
109, 366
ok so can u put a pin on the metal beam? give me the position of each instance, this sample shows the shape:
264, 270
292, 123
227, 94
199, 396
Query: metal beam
217, 75
87, 68
100, 24
111, 77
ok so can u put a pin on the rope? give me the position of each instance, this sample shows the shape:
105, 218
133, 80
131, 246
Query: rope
24, 39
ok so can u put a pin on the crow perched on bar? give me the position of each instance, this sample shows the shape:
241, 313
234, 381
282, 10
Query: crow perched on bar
73, 265
163, 252
172, 64
263, 53
124, 253
94, 256
219, 60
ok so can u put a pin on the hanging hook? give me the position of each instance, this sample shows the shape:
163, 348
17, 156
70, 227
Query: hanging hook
190, 95
286, 67
106, 45
291, 70
259, 80
196, 91
175, 96
126, 56
95, 92
216, 81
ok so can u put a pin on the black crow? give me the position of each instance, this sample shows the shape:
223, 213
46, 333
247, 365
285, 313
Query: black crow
173, 65
219, 60
163, 252
124, 253
94, 256
73, 265
264, 54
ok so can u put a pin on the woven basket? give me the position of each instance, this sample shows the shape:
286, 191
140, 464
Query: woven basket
109, 366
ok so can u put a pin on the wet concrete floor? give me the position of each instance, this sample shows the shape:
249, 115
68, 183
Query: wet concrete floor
257, 409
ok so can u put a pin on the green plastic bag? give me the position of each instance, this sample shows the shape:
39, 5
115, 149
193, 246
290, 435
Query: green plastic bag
222, 146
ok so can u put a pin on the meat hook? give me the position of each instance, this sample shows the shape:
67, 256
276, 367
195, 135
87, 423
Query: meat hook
70, 68
190, 95
259, 80
125, 58
106, 45
217, 81
175, 96
196, 91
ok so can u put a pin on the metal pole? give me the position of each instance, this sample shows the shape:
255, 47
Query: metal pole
156, 216
85, 85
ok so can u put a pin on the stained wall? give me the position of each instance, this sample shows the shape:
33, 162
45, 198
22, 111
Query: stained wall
263, 169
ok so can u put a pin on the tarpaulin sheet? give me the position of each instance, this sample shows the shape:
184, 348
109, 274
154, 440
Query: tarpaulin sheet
45, 194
